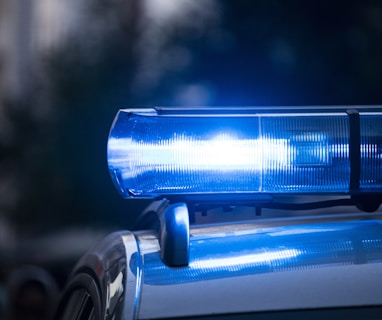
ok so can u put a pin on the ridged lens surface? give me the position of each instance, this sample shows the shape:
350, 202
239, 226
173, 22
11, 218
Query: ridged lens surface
371, 152
186, 154
312, 153
151, 154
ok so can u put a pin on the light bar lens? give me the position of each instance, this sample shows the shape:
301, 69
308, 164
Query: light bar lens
152, 153
371, 152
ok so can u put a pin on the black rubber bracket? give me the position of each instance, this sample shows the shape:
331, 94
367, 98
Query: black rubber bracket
354, 150
368, 203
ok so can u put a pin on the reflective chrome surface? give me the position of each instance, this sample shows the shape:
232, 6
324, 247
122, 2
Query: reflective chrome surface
133, 279
249, 268
232, 254
330, 262
108, 265
175, 235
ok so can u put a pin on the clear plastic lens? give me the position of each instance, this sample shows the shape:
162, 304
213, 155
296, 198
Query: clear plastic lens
317, 153
151, 154
371, 151
186, 154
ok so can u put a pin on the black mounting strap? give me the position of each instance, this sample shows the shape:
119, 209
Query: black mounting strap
368, 203
354, 150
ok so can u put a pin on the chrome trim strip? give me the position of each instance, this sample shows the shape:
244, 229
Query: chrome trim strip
133, 277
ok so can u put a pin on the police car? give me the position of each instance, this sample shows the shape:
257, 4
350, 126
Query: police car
301, 188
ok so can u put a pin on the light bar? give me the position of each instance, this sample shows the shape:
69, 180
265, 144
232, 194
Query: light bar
164, 152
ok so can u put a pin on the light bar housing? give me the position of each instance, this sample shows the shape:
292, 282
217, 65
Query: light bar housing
255, 152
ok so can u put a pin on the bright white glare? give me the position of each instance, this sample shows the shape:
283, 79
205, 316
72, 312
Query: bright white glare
288, 232
164, 9
224, 152
243, 260
115, 288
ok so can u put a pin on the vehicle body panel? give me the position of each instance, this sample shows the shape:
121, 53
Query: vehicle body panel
235, 268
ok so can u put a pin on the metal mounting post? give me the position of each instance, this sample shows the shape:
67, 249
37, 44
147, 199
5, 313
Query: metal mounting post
173, 225
174, 235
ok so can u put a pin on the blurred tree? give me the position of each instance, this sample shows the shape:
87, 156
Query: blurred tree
162, 52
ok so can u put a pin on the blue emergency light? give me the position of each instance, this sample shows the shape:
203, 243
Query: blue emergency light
164, 152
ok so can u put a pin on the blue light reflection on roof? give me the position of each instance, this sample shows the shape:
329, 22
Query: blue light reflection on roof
270, 250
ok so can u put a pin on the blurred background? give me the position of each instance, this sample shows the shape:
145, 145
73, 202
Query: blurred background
66, 67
